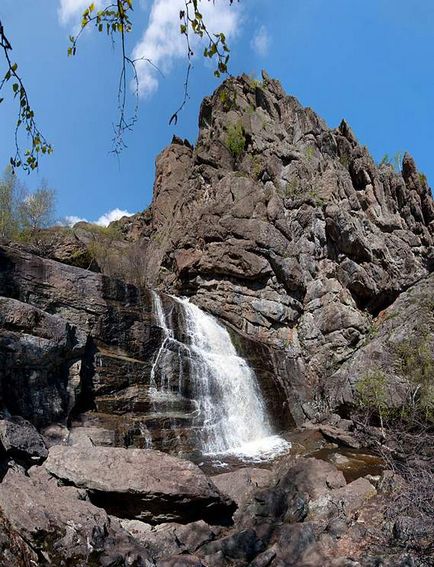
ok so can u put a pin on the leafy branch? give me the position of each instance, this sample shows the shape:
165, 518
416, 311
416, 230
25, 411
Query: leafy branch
192, 22
26, 117
116, 19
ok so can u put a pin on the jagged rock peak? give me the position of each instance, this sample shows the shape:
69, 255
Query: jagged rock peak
283, 227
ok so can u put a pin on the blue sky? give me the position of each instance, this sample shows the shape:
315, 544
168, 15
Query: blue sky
369, 61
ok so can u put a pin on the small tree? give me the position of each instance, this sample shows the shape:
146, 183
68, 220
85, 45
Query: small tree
11, 193
37, 209
372, 395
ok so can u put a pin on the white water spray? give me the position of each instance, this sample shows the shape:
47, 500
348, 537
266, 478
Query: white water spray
231, 409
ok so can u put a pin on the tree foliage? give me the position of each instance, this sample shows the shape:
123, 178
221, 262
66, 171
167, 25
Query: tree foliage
23, 214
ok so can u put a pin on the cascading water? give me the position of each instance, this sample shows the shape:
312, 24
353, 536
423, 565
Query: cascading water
231, 414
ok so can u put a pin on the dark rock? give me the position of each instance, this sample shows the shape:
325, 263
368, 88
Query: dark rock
142, 484
20, 440
43, 351
182, 561
413, 531
241, 546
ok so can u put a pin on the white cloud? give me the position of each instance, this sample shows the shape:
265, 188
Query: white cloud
71, 10
110, 216
261, 41
71, 220
104, 220
163, 44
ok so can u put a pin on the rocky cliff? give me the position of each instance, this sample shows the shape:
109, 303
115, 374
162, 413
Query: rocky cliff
319, 264
285, 228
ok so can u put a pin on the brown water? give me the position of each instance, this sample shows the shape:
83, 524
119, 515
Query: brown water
354, 463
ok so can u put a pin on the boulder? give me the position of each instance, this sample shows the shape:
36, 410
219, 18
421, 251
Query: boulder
171, 539
242, 483
20, 440
314, 477
45, 524
345, 500
141, 484
240, 547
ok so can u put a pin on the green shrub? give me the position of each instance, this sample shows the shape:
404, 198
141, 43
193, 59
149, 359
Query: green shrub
310, 152
228, 98
422, 178
417, 366
235, 139
253, 82
372, 394
257, 167
395, 161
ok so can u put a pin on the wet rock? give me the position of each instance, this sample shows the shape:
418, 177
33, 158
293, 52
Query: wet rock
39, 373
339, 436
20, 440
142, 484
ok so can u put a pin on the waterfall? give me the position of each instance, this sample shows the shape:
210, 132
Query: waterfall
231, 414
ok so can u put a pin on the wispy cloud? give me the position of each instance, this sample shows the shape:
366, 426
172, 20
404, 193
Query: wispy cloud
261, 41
104, 220
163, 44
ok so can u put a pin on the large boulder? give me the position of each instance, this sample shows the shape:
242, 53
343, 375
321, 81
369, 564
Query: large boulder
141, 484
42, 523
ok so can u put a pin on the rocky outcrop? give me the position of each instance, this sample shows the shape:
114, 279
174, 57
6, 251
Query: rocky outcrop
297, 240
398, 350
317, 260
44, 524
141, 484
86, 343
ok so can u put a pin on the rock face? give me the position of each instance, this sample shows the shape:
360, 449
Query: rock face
298, 240
44, 524
319, 263
78, 347
141, 484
